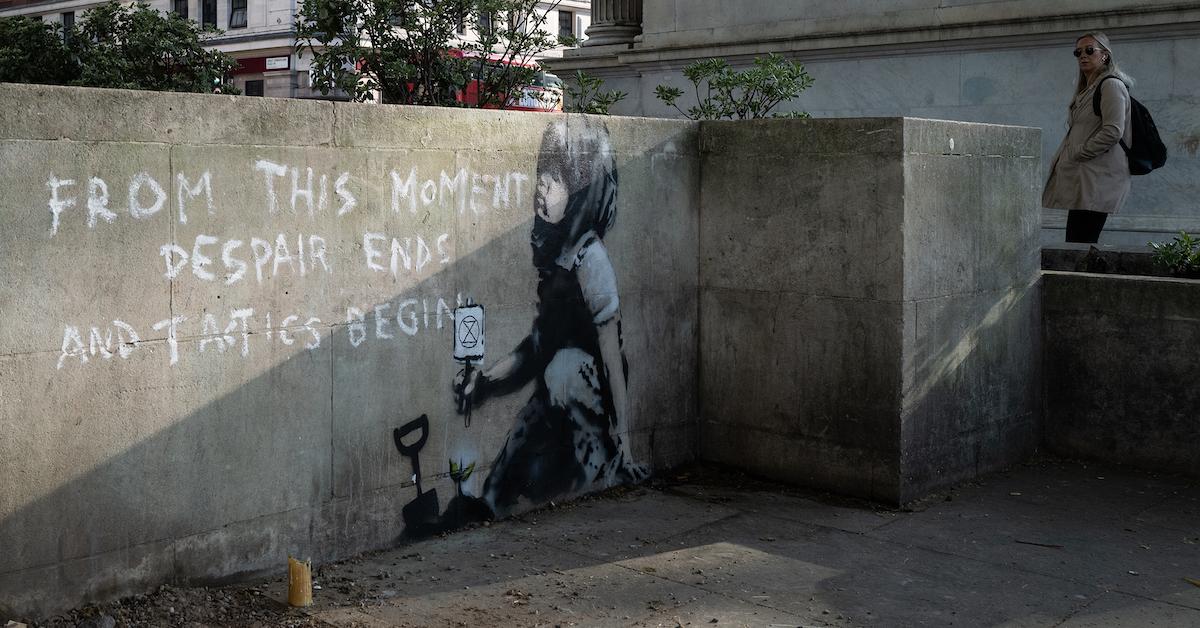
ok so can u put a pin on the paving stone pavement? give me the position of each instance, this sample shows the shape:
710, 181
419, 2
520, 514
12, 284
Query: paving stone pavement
1049, 543
1045, 544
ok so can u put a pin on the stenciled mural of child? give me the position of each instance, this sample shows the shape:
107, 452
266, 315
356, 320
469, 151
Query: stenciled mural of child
572, 434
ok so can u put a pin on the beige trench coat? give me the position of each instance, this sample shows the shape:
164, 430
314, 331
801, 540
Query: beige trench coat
1090, 169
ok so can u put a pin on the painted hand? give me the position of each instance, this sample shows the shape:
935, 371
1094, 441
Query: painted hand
467, 389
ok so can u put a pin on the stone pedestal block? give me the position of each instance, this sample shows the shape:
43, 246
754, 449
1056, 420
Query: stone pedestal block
869, 303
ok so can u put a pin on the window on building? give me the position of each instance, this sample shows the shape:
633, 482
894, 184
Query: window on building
566, 23
208, 13
485, 23
254, 88
237, 13
68, 23
462, 23
180, 7
516, 21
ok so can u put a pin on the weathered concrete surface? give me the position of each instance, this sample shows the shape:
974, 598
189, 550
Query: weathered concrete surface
212, 330
971, 345
1044, 544
801, 319
223, 445
1121, 369
869, 317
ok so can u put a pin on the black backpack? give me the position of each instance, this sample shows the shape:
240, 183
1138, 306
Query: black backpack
1148, 151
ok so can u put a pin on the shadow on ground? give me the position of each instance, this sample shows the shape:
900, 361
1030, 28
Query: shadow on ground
1049, 543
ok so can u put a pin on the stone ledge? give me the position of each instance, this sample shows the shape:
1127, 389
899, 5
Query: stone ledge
928, 25
89, 114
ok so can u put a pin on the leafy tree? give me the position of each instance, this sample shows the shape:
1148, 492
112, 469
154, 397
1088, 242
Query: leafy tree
114, 45
137, 47
32, 51
751, 93
514, 37
586, 95
396, 47
405, 49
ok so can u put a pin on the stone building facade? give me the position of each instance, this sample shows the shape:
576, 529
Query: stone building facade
1003, 62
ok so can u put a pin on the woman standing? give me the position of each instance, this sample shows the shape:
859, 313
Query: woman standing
1089, 175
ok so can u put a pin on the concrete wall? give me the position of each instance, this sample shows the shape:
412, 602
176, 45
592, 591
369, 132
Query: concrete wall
972, 311
211, 360
1002, 62
258, 424
869, 317
1121, 369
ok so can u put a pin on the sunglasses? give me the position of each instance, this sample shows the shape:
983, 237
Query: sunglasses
1089, 51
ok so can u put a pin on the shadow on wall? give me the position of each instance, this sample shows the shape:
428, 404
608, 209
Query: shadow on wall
969, 399
316, 454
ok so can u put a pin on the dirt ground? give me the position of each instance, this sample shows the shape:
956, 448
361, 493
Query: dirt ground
169, 606
337, 586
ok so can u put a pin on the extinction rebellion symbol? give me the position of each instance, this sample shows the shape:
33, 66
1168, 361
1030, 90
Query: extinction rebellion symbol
468, 347
468, 333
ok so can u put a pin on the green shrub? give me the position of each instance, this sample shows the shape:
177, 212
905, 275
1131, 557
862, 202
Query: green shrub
751, 93
585, 95
32, 51
1180, 256
135, 46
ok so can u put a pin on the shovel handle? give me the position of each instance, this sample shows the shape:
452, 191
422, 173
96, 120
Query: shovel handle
410, 451
420, 423
465, 407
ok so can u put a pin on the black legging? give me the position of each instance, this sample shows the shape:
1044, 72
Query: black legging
1084, 225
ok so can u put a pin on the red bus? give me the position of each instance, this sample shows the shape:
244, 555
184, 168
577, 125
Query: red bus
544, 93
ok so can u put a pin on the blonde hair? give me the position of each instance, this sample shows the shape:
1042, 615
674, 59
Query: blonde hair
1110, 62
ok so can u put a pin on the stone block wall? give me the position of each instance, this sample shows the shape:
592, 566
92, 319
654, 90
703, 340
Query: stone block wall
972, 311
801, 286
1121, 369
869, 312
230, 322
217, 310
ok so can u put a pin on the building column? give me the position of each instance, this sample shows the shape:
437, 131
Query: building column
614, 22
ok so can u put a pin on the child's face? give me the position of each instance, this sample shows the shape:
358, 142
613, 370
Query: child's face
550, 200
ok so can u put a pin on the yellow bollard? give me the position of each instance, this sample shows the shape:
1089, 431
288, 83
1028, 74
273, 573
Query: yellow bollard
299, 582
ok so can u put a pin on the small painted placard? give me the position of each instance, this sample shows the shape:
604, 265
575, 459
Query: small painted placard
468, 333
278, 63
